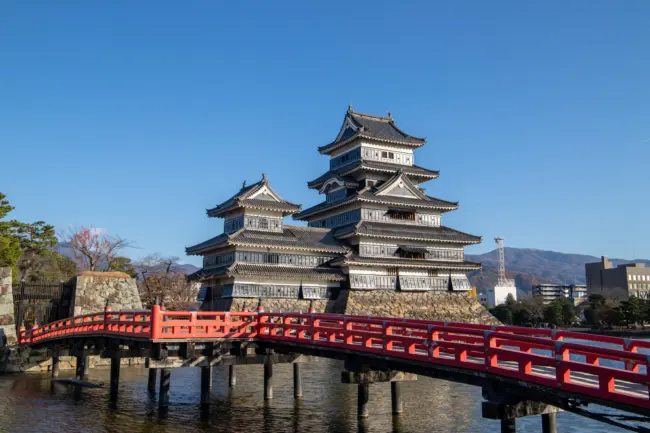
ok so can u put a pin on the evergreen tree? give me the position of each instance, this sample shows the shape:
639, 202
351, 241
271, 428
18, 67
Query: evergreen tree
10, 252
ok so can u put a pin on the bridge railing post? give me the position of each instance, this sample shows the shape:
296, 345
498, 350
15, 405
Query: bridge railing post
22, 335
562, 373
107, 317
156, 322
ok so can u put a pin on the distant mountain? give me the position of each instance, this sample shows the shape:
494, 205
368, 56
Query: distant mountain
528, 267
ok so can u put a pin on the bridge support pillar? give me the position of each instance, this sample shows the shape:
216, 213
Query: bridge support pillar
363, 393
297, 381
268, 380
232, 376
549, 423
508, 412
165, 384
509, 425
81, 372
396, 397
206, 385
115, 377
55, 363
151, 384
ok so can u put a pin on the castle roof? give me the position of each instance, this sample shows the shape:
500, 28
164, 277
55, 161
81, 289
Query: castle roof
355, 259
321, 273
259, 195
412, 197
379, 128
416, 173
405, 232
291, 237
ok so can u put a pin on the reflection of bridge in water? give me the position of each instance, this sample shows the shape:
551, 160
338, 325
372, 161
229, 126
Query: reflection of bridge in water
522, 371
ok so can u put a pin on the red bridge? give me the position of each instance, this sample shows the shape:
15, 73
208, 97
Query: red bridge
523, 371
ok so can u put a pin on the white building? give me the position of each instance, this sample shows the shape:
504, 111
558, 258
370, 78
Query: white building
498, 294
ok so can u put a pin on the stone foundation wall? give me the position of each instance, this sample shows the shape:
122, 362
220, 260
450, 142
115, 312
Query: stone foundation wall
93, 289
25, 360
7, 320
442, 306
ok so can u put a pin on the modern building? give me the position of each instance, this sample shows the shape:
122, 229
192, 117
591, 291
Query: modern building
376, 228
499, 293
550, 292
620, 282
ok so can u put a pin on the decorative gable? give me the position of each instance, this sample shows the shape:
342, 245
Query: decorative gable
265, 193
400, 186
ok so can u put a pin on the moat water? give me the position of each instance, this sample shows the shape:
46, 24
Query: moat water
32, 403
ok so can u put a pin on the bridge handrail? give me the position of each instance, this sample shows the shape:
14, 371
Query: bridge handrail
543, 356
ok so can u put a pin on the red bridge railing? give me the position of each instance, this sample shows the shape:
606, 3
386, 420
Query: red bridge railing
609, 368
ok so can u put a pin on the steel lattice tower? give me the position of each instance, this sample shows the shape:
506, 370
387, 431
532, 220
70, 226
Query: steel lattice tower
502, 281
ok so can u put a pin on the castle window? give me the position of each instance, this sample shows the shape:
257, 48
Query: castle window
264, 223
399, 214
271, 258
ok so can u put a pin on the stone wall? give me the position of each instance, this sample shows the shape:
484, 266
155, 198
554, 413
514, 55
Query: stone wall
93, 289
26, 360
7, 320
430, 305
442, 306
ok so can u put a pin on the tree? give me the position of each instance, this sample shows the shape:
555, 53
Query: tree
503, 313
553, 313
123, 264
94, 250
36, 241
632, 310
52, 266
160, 278
10, 252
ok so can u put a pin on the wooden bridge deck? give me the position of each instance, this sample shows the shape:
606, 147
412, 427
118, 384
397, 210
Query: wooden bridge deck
557, 367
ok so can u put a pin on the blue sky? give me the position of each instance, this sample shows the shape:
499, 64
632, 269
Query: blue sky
137, 116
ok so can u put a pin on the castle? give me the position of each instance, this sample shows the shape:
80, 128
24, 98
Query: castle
376, 238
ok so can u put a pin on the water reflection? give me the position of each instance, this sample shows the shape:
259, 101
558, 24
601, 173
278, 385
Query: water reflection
33, 403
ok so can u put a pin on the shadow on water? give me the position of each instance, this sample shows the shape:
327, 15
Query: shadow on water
327, 406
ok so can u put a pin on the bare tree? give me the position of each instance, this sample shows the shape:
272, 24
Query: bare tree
160, 278
93, 249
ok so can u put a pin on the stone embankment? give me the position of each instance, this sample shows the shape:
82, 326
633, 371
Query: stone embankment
442, 306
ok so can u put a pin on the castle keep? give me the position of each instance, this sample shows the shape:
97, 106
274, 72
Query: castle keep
376, 234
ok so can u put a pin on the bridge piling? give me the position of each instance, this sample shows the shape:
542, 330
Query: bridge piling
297, 381
55, 362
363, 392
115, 377
396, 397
165, 384
268, 380
206, 385
81, 371
86, 369
549, 423
232, 376
509, 425
151, 384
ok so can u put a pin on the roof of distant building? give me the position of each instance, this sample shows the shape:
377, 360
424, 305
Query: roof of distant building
259, 195
291, 237
379, 128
